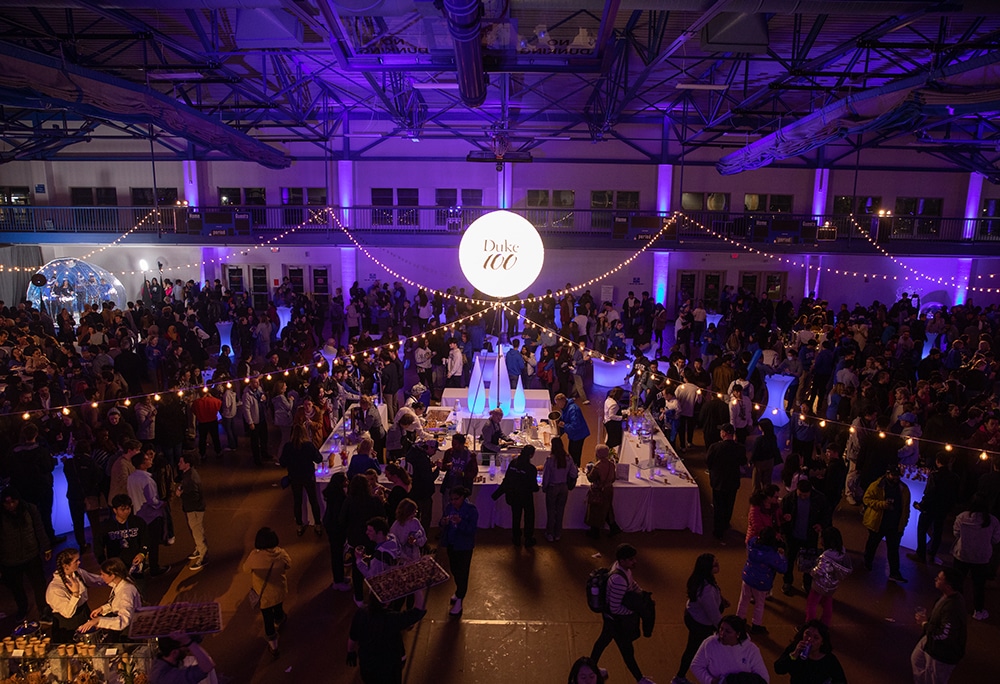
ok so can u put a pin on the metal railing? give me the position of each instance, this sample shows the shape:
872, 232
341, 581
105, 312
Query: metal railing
254, 221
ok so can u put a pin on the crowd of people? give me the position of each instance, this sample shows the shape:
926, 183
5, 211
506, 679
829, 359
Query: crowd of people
117, 395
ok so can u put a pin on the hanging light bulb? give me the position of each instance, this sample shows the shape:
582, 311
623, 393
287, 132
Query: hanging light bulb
983, 456
26, 415
948, 447
93, 404
180, 393
127, 402
881, 434
156, 397
65, 410
822, 423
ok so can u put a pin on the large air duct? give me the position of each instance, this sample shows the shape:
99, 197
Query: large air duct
464, 25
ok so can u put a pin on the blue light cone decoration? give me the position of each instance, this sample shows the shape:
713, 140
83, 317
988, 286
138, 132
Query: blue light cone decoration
518, 403
502, 383
777, 386
225, 329
284, 318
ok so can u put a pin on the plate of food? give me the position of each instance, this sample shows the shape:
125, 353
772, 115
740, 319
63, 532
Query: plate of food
404, 580
193, 618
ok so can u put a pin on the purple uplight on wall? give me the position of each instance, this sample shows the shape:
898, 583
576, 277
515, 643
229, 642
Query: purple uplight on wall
348, 270
972, 197
821, 190
963, 269
664, 188
661, 276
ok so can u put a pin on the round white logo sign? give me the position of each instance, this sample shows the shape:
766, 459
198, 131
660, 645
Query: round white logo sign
501, 254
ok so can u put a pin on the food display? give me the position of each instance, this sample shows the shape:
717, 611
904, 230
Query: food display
403, 580
193, 618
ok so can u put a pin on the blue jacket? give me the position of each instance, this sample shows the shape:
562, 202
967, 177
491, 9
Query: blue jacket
515, 363
763, 562
460, 536
575, 424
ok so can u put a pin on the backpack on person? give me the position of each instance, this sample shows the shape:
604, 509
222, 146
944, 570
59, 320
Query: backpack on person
597, 589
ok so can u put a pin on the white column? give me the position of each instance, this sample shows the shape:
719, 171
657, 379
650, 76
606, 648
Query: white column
664, 188
972, 197
821, 192
661, 277
348, 270
345, 195
505, 186
191, 193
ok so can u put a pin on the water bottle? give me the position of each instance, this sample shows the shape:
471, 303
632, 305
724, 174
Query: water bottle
493, 468
458, 407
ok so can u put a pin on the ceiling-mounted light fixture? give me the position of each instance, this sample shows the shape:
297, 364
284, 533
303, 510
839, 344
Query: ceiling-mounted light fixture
435, 85
701, 86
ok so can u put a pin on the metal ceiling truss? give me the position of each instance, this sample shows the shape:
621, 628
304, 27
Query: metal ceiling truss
353, 71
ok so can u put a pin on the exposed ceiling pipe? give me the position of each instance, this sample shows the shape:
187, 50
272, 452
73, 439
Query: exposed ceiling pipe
464, 25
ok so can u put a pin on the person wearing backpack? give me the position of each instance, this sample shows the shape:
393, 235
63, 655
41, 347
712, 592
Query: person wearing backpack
832, 567
764, 561
620, 623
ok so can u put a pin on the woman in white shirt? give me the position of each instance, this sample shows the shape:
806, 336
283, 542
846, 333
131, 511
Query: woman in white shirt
730, 651
67, 595
613, 418
115, 616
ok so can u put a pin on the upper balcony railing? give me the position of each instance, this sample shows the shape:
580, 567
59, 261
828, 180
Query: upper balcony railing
267, 221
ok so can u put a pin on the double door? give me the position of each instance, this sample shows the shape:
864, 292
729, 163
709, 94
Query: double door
704, 286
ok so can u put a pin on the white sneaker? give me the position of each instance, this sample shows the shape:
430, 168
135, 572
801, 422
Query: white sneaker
456, 608
981, 614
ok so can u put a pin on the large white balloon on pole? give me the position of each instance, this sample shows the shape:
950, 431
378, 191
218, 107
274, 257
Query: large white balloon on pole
501, 253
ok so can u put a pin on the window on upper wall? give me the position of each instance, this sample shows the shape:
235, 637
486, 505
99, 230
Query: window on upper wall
16, 195
229, 197
990, 225
918, 206
382, 197
291, 199
627, 199
106, 197
861, 205
143, 197
472, 197
717, 201
564, 199
256, 197
754, 202
446, 199
408, 197
81, 197
316, 197
537, 198
692, 201
917, 216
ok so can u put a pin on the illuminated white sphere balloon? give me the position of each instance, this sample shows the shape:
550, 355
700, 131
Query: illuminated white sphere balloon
501, 254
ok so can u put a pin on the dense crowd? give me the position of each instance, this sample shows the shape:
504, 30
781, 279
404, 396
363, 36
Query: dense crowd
117, 394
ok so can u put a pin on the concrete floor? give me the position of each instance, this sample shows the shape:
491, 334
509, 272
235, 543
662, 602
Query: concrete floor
525, 616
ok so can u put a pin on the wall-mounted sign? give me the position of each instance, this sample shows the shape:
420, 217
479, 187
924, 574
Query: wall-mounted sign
501, 254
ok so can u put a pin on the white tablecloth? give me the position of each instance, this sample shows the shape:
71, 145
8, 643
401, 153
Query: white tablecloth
670, 502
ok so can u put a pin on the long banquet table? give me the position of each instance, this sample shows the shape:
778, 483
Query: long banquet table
650, 499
